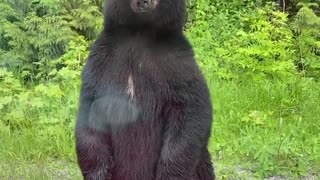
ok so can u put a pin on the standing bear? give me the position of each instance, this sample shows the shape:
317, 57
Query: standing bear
145, 111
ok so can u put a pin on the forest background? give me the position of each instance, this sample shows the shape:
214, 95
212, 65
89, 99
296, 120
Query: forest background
261, 60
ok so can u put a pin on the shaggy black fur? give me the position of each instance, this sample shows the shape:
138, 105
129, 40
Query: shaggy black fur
145, 110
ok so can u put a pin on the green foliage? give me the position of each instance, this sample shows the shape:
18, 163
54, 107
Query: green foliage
262, 64
47, 110
248, 40
306, 26
265, 50
33, 33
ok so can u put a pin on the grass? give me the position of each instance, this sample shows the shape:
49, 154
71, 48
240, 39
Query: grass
266, 129
260, 130
46, 170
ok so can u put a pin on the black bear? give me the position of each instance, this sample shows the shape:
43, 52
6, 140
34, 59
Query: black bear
145, 111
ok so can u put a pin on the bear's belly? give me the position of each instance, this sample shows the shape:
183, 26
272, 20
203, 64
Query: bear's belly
136, 142
136, 150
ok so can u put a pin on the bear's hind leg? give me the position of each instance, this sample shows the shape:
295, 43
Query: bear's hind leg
205, 170
94, 156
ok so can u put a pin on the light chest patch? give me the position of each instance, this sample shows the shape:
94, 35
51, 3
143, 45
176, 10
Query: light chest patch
130, 87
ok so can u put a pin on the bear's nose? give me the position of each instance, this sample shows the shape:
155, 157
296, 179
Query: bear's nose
143, 5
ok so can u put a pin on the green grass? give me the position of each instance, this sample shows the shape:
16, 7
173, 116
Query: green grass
266, 129
260, 130
46, 170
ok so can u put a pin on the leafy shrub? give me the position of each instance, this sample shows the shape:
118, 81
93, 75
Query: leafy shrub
306, 26
33, 33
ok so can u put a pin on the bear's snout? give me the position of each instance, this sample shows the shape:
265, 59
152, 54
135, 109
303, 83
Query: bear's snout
143, 5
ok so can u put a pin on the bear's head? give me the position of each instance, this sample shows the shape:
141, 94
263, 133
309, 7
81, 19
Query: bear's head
155, 14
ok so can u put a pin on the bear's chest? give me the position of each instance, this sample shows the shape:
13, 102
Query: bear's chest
140, 78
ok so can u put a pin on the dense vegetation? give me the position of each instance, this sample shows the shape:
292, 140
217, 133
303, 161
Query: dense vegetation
261, 59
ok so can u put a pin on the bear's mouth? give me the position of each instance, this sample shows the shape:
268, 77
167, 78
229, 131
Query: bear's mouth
141, 6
